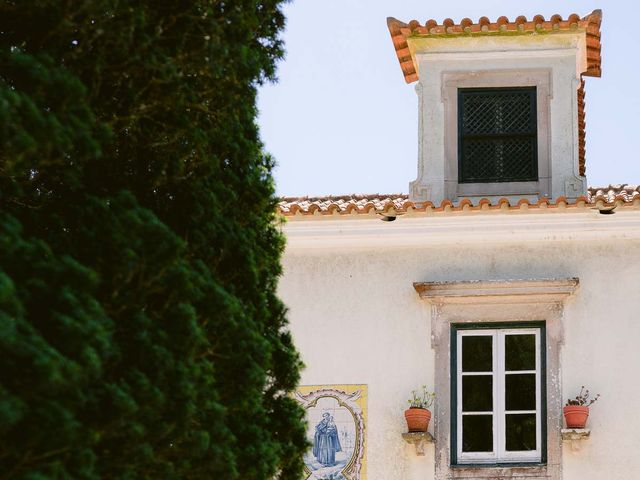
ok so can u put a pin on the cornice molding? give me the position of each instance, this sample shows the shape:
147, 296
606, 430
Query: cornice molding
549, 291
462, 229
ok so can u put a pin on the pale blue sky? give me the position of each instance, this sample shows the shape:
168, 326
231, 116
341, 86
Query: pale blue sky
342, 120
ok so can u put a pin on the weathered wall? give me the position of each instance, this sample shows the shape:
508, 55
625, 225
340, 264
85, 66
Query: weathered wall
356, 318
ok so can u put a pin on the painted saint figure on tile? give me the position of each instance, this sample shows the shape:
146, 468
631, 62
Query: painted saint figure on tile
326, 442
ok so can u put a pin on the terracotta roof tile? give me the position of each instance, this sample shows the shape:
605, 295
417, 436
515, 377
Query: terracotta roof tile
613, 193
342, 204
582, 130
590, 24
622, 194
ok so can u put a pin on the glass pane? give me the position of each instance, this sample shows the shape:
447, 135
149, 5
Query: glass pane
520, 391
477, 393
520, 352
477, 433
521, 432
477, 353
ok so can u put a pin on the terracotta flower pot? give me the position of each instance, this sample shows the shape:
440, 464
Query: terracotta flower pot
417, 419
576, 416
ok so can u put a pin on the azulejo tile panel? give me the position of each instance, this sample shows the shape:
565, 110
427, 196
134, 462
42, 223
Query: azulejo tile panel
337, 417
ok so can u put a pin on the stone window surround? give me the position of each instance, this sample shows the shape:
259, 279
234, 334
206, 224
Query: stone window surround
451, 82
496, 301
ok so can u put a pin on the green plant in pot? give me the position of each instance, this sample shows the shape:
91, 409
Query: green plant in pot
576, 411
418, 413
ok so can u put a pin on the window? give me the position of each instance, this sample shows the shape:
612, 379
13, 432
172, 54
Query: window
494, 307
497, 135
498, 393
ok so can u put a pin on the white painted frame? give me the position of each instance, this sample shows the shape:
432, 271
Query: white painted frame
477, 457
499, 412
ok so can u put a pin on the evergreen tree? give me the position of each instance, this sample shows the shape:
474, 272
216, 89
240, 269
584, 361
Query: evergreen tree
140, 332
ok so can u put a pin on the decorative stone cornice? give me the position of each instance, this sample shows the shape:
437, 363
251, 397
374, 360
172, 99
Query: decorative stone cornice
498, 291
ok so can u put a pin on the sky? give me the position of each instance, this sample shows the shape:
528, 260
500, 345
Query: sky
341, 120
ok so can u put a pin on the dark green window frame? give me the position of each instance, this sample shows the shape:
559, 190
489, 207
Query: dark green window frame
497, 142
455, 328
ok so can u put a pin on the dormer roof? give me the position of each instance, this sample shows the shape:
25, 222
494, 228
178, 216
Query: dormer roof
402, 32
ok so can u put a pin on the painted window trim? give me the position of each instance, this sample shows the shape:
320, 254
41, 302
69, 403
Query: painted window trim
498, 457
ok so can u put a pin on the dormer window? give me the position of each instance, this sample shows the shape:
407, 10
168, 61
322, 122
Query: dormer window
497, 135
501, 106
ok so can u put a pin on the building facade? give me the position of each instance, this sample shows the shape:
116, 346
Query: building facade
500, 281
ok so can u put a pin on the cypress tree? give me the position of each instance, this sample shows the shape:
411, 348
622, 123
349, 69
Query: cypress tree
140, 331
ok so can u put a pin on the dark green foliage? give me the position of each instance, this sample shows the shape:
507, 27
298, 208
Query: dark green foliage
140, 333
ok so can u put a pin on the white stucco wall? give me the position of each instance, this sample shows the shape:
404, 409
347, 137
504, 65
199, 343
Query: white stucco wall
356, 317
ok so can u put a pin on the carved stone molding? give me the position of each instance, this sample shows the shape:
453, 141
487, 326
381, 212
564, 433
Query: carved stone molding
498, 291
418, 440
575, 436
510, 301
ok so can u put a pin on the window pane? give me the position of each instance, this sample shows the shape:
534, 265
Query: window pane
520, 352
477, 353
477, 433
520, 391
521, 432
477, 393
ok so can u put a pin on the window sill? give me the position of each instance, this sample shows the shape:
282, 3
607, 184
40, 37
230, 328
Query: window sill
535, 471
498, 188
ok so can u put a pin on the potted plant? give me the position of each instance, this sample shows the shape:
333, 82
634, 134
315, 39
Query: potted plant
576, 411
418, 413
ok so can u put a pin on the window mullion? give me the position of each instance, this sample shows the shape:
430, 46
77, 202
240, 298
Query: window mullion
499, 434
497, 388
459, 394
539, 418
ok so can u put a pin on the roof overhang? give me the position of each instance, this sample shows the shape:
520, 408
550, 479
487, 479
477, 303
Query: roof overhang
412, 39
575, 226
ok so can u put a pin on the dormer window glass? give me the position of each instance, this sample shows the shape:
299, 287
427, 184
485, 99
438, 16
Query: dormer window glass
497, 135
